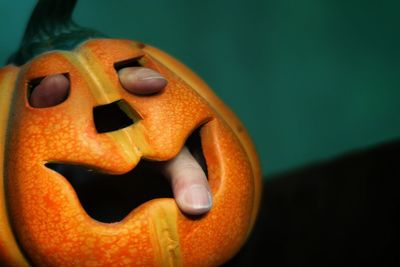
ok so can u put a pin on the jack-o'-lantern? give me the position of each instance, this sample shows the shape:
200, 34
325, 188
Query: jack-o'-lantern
59, 167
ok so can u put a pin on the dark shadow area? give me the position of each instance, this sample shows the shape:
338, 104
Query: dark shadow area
343, 212
110, 198
112, 117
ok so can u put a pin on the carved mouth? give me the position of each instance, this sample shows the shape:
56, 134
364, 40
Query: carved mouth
110, 198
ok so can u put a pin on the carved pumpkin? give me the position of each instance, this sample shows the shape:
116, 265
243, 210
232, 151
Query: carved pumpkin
42, 218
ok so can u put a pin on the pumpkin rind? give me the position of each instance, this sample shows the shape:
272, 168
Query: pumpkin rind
195, 82
49, 221
10, 254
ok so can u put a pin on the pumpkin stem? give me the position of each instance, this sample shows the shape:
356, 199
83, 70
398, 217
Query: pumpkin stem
50, 27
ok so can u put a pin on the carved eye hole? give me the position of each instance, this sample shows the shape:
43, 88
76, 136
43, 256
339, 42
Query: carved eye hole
48, 91
133, 62
138, 79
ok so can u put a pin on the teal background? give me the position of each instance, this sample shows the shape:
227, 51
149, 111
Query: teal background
310, 79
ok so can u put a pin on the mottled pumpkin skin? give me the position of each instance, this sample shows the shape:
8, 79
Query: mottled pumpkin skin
40, 209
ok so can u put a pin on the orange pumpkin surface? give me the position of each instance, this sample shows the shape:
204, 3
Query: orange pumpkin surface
42, 221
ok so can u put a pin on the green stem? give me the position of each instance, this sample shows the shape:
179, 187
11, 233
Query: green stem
50, 27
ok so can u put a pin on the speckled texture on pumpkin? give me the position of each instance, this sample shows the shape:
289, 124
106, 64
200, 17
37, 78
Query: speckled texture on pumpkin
10, 254
50, 223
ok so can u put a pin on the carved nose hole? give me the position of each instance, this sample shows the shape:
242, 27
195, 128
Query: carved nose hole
114, 116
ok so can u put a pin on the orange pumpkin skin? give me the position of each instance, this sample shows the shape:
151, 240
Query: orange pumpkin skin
45, 214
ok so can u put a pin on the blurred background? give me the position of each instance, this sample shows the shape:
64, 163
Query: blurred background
317, 84
310, 79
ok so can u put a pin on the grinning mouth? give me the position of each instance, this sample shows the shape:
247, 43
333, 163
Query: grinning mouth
110, 198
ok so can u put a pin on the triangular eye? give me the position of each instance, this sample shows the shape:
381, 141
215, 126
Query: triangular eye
48, 91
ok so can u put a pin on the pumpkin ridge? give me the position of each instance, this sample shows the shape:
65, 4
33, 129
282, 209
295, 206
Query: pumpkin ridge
132, 139
163, 221
10, 251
